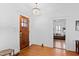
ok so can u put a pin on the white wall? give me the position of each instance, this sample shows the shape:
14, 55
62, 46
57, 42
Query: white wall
71, 33
41, 27
8, 27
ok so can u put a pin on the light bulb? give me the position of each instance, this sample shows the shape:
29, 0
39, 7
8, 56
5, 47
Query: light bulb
36, 11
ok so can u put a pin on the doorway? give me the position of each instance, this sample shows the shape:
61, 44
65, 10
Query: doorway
59, 27
24, 31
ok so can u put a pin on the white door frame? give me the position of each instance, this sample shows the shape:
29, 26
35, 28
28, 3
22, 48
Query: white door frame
56, 18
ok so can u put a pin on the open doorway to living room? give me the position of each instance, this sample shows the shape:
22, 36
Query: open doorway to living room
59, 33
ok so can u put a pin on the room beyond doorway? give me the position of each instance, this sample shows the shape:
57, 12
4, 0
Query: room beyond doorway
59, 33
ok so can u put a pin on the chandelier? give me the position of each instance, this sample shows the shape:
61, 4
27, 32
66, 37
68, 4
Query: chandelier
36, 10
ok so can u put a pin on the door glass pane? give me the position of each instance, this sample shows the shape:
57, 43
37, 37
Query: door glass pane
24, 23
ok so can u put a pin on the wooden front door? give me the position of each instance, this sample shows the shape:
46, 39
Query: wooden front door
24, 32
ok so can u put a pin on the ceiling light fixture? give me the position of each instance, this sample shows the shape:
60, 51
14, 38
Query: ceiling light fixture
36, 10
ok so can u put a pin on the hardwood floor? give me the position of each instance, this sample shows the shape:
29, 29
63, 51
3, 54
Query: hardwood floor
36, 50
58, 43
